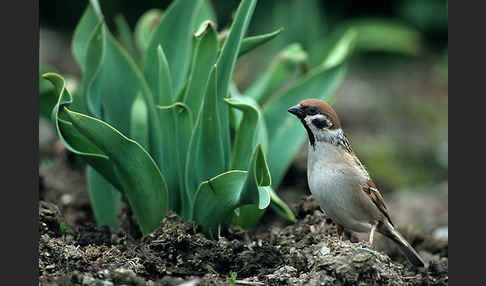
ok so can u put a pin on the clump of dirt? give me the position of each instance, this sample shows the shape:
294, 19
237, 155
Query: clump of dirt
308, 252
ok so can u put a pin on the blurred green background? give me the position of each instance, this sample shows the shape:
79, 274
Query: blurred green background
393, 103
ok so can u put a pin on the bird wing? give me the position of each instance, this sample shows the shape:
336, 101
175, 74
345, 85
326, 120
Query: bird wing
375, 195
370, 188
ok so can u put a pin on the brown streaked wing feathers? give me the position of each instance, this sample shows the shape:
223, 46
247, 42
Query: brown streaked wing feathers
377, 199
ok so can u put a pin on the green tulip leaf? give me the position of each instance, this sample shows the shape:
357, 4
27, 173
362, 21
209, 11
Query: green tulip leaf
165, 94
145, 27
217, 198
246, 132
206, 50
206, 153
125, 36
83, 33
122, 161
375, 34
252, 43
107, 63
280, 207
205, 13
105, 199
183, 121
167, 121
175, 39
226, 63
279, 73
138, 122
342, 49
256, 196
47, 94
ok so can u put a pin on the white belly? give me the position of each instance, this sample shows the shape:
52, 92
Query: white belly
337, 189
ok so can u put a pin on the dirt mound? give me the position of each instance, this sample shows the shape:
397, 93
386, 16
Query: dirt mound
305, 253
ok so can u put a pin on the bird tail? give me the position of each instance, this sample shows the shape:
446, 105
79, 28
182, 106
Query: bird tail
389, 231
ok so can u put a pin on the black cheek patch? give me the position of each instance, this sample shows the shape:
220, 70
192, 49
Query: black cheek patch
320, 123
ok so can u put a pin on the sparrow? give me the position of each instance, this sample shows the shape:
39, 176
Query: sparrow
340, 183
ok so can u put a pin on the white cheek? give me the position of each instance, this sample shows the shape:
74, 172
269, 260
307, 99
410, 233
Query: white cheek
319, 134
309, 118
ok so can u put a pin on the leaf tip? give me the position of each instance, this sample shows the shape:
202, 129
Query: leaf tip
204, 26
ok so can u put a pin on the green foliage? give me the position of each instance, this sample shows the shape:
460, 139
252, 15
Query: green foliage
377, 34
169, 130
322, 28
64, 229
232, 278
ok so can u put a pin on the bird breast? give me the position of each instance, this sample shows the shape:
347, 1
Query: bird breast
336, 181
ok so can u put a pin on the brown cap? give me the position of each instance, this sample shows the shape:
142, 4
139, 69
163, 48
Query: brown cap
323, 108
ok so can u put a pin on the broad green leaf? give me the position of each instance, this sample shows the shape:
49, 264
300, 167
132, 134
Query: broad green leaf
183, 130
92, 67
216, 199
125, 36
321, 82
145, 27
104, 198
284, 67
83, 33
206, 154
136, 171
251, 43
109, 63
71, 138
175, 39
261, 136
86, 28
256, 193
122, 161
206, 50
226, 63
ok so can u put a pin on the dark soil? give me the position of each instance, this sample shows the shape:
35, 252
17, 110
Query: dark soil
74, 251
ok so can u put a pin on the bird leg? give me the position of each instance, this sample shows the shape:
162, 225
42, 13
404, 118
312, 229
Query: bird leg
340, 232
372, 233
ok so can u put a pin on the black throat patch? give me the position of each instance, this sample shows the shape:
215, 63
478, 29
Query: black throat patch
312, 139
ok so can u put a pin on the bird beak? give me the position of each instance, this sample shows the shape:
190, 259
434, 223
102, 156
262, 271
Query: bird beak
295, 110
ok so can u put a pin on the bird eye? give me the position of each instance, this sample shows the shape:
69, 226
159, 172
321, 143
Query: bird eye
312, 110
